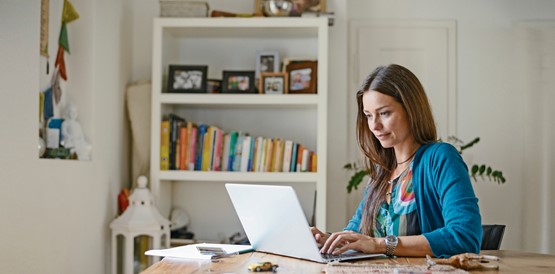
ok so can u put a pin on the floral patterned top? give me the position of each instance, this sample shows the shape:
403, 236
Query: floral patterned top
399, 217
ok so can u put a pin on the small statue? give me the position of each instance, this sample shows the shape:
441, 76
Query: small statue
72, 134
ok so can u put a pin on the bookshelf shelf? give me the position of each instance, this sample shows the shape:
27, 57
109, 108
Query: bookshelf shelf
225, 177
241, 99
231, 44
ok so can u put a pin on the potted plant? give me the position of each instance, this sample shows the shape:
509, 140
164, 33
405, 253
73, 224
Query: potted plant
482, 170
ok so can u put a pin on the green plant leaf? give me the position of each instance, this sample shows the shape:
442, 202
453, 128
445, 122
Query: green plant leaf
355, 180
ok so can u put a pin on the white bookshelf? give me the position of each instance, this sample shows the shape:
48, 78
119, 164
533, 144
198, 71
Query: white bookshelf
231, 44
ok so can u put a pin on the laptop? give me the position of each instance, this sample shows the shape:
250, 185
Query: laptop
274, 222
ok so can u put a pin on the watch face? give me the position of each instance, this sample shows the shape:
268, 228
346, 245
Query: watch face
391, 238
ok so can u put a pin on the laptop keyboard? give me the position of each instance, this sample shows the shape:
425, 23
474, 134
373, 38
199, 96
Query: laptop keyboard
332, 257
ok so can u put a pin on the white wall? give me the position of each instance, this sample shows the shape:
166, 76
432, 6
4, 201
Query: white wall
55, 214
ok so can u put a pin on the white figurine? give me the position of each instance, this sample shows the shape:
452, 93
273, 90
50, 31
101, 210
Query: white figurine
72, 134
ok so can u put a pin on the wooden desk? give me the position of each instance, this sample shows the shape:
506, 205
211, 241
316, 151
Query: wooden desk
510, 262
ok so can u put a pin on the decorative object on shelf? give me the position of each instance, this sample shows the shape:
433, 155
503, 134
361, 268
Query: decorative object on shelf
476, 170
183, 8
72, 135
180, 220
214, 86
44, 18
53, 131
293, 8
238, 82
41, 147
221, 13
140, 218
302, 76
304, 6
273, 83
277, 8
187, 79
266, 61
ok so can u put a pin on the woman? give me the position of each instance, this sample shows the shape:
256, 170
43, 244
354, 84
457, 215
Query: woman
419, 199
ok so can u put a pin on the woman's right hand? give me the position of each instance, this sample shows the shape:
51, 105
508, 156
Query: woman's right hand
320, 236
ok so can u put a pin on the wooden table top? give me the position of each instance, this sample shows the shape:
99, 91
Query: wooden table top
510, 262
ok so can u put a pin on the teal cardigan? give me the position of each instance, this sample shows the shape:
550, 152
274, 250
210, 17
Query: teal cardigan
446, 204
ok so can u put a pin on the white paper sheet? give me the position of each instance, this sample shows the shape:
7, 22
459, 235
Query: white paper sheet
191, 251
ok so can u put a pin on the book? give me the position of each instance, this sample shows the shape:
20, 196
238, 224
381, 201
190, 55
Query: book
202, 129
165, 145
207, 147
225, 152
183, 145
217, 149
278, 156
305, 160
192, 148
232, 145
191, 139
258, 152
299, 158
238, 151
287, 151
313, 162
268, 158
174, 137
251, 154
293, 164
245, 154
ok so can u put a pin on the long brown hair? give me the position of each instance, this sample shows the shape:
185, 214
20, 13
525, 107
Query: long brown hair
401, 84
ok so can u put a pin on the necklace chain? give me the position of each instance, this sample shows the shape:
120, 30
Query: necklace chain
410, 157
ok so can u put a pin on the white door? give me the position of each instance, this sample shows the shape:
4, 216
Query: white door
427, 48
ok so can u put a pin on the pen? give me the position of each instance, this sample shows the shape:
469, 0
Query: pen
215, 257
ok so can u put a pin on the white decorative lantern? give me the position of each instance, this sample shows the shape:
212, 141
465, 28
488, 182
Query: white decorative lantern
140, 218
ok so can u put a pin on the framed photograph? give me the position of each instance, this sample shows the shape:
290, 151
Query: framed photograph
238, 82
187, 79
302, 77
273, 83
266, 61
213, 86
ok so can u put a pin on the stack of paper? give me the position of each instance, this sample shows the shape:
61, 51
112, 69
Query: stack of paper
191, 251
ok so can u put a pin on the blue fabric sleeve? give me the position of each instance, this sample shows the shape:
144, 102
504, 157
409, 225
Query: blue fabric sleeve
447, 192
354, 223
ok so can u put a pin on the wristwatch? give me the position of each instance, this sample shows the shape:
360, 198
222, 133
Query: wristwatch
391, 242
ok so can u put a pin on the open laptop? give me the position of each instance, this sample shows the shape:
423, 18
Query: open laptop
274, 222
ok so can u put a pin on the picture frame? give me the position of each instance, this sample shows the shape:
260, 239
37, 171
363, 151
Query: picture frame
238, 81
302, 77
187, 79
214, 86
267, 61
273, 83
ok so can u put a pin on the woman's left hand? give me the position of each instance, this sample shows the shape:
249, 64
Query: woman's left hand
340, 242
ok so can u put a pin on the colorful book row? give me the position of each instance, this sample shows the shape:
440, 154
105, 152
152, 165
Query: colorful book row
187, 146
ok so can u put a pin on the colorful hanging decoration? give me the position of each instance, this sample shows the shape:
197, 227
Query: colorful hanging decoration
44, 18
69, 14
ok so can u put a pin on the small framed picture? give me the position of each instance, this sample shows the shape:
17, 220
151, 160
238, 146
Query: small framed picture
238, 82
302, 77
266, 61
273, 82
187, 79
214, 86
